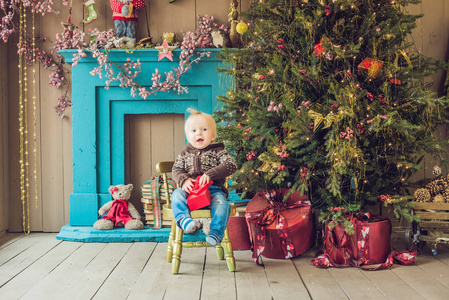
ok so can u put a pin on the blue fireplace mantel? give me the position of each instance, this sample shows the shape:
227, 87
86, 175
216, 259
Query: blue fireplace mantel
98, 118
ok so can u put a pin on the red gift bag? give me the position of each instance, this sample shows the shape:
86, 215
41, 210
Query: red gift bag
370, 244
200, 196
368, 248
279, 229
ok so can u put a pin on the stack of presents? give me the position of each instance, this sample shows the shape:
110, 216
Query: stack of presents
281, 224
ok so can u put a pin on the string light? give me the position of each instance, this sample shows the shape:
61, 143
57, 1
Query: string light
22, 123
34, 112
24, 146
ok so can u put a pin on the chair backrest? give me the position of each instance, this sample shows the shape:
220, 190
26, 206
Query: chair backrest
163, 168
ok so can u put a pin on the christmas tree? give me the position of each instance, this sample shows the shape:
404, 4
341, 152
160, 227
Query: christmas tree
332, 100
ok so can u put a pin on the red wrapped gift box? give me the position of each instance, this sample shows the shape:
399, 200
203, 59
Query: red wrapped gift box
200, 196
370, 244
279, 229
238, 233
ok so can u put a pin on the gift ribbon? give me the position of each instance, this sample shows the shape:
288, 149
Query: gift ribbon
197, 189
265, 217
156, 197
157, 212
399, 257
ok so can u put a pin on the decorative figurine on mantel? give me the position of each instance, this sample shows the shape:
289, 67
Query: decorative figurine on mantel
165, 50
169, 36
220, 38
232, 17
125, 17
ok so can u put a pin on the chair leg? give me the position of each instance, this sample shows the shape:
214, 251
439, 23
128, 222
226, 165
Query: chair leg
220, 252
170, 241
177, 250
229, 253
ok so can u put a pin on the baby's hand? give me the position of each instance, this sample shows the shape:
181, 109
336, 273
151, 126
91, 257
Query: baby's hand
188, 185
204, 179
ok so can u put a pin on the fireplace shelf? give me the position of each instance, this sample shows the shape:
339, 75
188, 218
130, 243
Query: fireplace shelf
98, 118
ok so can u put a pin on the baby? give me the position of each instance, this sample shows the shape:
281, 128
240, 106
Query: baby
209, 160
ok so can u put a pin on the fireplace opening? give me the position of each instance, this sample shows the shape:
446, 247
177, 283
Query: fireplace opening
149, 139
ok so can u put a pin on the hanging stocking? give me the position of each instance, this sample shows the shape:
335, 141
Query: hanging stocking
92, 12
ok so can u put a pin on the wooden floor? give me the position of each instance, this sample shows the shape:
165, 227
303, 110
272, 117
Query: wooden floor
38, 266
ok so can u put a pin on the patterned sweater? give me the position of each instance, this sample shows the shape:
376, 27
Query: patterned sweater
116, 6
212, 160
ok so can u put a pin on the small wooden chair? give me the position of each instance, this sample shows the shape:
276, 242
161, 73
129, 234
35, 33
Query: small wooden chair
175, 243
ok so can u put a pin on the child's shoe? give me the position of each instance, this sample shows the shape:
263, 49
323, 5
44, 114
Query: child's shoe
189, 225
213, 239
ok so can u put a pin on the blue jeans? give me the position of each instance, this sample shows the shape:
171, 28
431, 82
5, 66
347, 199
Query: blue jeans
219, 209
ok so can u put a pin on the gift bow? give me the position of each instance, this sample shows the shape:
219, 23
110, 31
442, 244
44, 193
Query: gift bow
197, 189
265, 217
318, 119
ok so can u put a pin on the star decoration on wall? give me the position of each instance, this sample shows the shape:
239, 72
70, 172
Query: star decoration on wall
165, 51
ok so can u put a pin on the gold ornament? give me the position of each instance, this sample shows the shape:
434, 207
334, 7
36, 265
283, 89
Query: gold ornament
241, 27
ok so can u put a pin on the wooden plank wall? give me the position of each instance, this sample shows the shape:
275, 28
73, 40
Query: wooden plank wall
54, 143
147, 134
3, 141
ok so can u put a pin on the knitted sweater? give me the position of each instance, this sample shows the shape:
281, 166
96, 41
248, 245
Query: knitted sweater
116, 6
212, 160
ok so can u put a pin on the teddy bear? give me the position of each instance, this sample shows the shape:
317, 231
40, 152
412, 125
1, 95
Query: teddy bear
119, 212
201, 223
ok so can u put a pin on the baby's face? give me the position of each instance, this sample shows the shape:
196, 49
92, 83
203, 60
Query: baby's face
199, 133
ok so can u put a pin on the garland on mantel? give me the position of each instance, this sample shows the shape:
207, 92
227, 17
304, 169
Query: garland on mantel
73, 38
128, 71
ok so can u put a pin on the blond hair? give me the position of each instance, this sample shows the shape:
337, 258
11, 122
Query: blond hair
198, 114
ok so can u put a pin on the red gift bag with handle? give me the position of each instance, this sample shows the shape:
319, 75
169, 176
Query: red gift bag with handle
370, 243
367, 248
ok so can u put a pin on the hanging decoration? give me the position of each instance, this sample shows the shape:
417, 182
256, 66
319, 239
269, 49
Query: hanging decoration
22, 123
370, 66
24, 145
241, 27
92, 13
26, 56
436, 170
33, 45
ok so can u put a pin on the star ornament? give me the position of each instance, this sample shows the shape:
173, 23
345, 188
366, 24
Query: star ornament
165, 51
